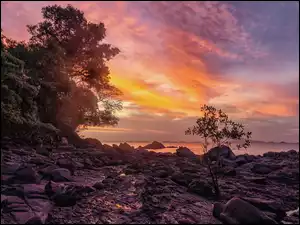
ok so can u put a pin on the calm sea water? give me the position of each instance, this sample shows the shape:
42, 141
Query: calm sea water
254, 149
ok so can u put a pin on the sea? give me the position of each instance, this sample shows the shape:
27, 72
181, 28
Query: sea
256, 148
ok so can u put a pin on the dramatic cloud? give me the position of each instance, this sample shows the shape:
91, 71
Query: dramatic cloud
242, 57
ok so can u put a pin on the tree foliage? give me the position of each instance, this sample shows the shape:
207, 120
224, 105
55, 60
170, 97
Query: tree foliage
215, 128
66, 60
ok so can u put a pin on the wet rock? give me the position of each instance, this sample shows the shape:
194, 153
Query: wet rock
154, 145
185, 152
200, 187
238, 211
61, 175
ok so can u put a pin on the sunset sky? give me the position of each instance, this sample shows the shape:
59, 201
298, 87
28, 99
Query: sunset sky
242, 57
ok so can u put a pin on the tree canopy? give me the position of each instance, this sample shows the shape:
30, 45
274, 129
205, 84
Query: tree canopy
66, 61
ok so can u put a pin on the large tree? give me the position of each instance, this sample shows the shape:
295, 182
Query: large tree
68, 58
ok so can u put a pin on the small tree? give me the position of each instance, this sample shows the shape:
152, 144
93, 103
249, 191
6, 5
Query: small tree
217, 129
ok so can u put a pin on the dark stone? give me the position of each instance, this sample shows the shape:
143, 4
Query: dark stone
184, 178
61, 175
220, 152
264, 168
202, 188
268, 205
154, 145
185, 152
26, 175
98, 185
238, 211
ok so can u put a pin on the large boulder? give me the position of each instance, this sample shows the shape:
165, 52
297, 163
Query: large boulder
185, 152
154, 145
238, 211
220, 152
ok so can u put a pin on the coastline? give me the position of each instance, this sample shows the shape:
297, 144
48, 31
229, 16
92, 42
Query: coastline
102, 184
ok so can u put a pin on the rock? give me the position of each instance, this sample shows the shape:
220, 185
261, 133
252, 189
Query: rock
154, 145
29, 207
229, 171
172, 146
46, 171
201, 188
238, 211
285, 176
268, 205
98, 185
43, 151
9, 168
264, 168
228, 162
184, 178
220, 152
64, 141
26, 175
257, 180
67, 164
107, 147
93, 141
61, 175
87, 163
282, 155
20, 152
65, 197
185, 152
241, 160
126, 147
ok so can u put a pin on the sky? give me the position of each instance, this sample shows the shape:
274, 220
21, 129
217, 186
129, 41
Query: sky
242, 57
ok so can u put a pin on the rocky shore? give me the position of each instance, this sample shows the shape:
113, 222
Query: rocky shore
104, 184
